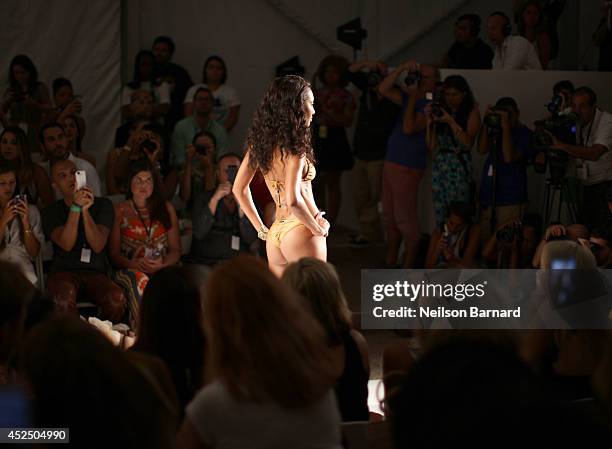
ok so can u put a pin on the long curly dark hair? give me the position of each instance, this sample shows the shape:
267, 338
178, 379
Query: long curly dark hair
280, 121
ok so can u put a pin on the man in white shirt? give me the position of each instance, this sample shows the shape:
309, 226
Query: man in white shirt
593, 153
511, 52
53, 143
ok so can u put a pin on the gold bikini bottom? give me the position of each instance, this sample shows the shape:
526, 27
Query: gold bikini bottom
280, 228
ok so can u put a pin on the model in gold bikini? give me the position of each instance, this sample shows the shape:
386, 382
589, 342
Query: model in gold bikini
279, 144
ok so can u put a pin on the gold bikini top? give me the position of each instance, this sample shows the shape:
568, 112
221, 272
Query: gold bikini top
279, 186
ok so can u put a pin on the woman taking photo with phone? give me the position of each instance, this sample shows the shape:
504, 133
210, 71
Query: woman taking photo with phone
279, 143
20, 226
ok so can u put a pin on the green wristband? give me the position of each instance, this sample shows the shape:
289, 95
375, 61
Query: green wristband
75, 208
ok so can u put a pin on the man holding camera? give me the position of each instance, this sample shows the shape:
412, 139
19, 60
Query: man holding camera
406, 158
79, 225
375, 121
593, 154
503, 187
54, 145
221, 230
201, 120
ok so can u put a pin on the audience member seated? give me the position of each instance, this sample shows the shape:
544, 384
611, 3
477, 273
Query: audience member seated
511, 52
270, 379
375, 120
513, 244
221, 230
74, 138
17, 292
26, 100
33, 180
574, 232
468, 51
66, 103
79, 225
176, 76
451, 131
455, 243
142, 110
579, 350
507, 144
227, 104
199, 174
170, 327
145, 142
145, 235
593, 156
20, 226
201, 120
78, 379
144, 80
55, 147
319, 287
470, 393
532, 26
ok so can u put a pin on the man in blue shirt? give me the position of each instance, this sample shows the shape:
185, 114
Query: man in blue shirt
201, 120
508, 170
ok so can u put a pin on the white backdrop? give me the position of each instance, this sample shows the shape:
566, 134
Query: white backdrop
79, 40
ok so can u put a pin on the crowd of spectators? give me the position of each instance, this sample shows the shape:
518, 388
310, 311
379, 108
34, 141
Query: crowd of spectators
218, 352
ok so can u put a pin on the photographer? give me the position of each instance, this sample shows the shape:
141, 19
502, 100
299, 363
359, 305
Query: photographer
146, 142
201, 120
55, 147
455, 243
20, 225
505, 166
593, 154
600, 244
405, 159
375, 121
563, 91
513, 243
199, 166
220, 228
452, 125
557, 231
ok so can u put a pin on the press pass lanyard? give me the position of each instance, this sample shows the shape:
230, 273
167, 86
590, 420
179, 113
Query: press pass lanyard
148, 229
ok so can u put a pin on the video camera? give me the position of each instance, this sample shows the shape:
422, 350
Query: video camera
563, 127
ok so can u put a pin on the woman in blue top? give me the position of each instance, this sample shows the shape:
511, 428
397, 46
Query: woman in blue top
451, 130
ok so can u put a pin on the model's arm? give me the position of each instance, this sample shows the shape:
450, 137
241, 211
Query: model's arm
242, 192
293, 195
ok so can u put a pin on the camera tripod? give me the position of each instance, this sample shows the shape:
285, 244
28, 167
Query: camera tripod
558, 188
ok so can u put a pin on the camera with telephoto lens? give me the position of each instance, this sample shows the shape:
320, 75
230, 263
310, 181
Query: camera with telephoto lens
148, 145
493, 118
374, 78
412, 78
563, 127
511, 233
201, 149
